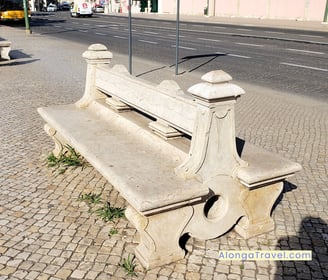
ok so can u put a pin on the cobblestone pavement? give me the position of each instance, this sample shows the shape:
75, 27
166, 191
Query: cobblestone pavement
47, 233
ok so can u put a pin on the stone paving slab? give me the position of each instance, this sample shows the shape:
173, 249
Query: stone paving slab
47, 233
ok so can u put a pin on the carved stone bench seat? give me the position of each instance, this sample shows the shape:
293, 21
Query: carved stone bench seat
125, 151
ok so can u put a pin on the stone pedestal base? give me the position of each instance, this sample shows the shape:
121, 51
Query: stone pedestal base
159, 235
258, 204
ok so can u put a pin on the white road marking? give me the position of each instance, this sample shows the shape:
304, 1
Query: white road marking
185, 48
274, 32
244, 29
231, 54
148, 42
304, 66
174, 35
238, 55
120, 37
251, 45
305, 51
211, 40
149, 32
312, 36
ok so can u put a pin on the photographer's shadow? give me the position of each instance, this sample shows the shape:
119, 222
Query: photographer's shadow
312, 235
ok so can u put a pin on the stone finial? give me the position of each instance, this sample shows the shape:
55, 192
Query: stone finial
215, 86
98, 53
216, 76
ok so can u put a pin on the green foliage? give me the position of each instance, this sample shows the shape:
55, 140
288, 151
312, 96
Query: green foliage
112, 232
129, 266
70, 158
90, 198
108, 213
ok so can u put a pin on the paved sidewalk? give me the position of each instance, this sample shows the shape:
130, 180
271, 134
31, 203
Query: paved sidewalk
46, 233
274, 23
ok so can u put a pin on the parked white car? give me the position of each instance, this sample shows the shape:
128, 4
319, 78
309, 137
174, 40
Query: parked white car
81, 9
51, 8
98, 8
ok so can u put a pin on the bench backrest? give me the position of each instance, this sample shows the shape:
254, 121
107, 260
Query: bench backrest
165, 102
207, 114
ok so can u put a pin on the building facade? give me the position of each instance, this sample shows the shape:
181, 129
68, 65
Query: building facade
313, 10
269, 9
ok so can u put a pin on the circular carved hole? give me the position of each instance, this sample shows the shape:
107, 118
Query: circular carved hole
215, 207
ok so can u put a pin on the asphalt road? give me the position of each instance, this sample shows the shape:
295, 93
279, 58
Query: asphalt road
284, 60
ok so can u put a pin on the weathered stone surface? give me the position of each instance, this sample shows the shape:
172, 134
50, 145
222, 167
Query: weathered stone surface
213, 181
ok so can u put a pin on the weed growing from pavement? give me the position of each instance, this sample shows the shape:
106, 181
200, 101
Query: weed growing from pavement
108, 213
129, 265
70, 158
90, 198
112, 232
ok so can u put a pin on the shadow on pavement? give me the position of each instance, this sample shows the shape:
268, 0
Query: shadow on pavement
151, 71
185, 59
312, 235
18, 57
16, 63
288, 187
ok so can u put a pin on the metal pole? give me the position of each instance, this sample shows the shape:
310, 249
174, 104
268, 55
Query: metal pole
130, 39
27, 22
326, 13
177, 39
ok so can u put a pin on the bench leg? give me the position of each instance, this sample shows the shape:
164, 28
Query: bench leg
59, 141
4, 52
159, 235
258, 204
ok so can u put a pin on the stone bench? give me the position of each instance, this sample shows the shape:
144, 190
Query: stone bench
174, 157
5, 47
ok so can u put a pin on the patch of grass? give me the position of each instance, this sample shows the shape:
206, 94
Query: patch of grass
112, 232
129, 265
108, 213
70, 158
90, 198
